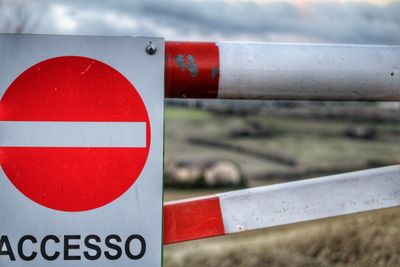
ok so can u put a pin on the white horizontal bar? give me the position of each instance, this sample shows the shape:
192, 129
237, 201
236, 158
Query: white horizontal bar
309, 71
311, 199
72, 134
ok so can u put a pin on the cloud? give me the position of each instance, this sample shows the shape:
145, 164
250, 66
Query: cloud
251, 20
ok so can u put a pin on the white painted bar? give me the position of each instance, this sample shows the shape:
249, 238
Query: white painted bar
72, 134
310, 199
309, 71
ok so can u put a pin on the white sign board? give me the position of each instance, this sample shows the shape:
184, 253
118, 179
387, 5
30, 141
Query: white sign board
81, 150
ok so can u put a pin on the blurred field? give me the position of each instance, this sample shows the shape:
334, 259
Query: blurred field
319, 147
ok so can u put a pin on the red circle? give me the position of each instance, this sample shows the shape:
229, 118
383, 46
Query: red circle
74, 89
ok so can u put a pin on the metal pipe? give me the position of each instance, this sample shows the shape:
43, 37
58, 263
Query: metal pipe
281, 204
229, 70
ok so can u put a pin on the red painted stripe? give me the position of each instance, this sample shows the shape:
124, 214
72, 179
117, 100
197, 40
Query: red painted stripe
191, 220
191, 70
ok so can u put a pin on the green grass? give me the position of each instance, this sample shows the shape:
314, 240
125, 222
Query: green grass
181, 113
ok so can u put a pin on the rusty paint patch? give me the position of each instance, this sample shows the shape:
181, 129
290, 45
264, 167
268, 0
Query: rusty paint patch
192, 66
180, 61
214, 72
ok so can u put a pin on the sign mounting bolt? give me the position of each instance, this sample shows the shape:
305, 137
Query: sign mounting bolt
151, 49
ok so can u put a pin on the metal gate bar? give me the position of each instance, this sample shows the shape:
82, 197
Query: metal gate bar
229, 70
281, 204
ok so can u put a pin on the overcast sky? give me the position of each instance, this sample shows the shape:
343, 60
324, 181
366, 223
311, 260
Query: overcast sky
329, 21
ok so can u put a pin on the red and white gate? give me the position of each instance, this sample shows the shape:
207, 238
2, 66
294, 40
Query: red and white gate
227, 70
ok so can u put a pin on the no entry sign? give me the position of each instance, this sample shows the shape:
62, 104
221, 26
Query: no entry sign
81, 137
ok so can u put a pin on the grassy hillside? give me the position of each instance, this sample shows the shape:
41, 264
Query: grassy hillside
318, 146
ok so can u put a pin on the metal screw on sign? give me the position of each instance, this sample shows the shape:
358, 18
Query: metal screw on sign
151, 49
